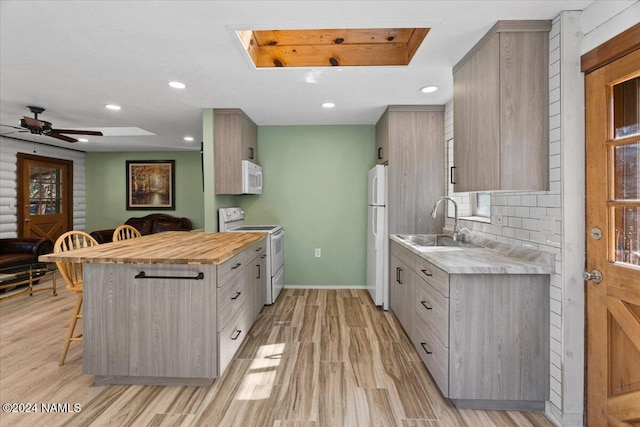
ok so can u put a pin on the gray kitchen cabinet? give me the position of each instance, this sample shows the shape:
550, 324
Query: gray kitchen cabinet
401, 286
414, 136
179, 324
501, 110
382, 140
235, 139
483, 337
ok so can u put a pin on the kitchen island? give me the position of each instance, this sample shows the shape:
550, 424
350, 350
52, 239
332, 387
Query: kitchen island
167, 308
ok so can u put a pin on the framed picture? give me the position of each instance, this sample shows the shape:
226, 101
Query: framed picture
151, 184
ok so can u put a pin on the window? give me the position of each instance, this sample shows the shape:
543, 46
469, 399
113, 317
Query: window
481, 205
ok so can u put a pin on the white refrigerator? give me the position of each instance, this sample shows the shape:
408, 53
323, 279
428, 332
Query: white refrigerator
377, 239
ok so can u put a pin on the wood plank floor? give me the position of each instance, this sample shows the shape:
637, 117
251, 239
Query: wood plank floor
315, 358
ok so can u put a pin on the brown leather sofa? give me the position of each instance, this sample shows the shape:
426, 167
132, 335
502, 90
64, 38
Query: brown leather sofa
19, 251
150, 224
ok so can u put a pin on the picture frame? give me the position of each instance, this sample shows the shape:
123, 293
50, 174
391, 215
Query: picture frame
150, 184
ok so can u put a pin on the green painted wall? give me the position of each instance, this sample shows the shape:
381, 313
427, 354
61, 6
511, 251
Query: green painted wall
315, 185
106, 187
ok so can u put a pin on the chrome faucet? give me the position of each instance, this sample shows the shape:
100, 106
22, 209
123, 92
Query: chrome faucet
456, 231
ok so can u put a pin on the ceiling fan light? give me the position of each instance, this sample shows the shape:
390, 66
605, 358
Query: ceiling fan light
112, 107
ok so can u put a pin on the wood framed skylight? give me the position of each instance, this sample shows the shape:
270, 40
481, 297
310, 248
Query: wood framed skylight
332, 47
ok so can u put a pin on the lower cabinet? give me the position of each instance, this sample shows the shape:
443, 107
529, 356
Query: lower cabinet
483, 337
143, 326
238, 302
169, 323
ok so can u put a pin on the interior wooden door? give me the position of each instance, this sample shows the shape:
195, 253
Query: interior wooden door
613, 207
44, 196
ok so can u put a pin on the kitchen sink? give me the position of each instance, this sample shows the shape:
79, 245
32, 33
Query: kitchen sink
433, 240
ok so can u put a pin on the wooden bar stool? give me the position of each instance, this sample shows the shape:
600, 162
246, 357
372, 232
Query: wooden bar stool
72, 274
125, 232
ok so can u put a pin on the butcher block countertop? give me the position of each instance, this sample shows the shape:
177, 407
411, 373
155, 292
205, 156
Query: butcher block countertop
170, 247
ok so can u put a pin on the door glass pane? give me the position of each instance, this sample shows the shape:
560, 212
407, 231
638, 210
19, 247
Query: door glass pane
627, 237
627, 171
626, 108
45, 195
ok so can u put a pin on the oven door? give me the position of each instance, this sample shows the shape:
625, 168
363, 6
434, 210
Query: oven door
277, 251
277, 284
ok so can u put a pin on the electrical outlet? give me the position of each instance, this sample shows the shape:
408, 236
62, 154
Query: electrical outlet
318, 252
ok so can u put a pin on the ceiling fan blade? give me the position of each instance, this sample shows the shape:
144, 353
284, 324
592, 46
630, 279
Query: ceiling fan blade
62, 137
11, 133
77, 132
13, 127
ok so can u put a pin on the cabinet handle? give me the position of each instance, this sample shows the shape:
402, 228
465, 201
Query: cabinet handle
424, 346
251, 153
236, 266
143, 275
452, 179
425, 305
238, 332
259, 249
236, 296
379, 153
399, 275
427, 272
263, 256
258, 265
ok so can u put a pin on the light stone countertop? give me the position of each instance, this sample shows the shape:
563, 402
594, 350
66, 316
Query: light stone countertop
489, 257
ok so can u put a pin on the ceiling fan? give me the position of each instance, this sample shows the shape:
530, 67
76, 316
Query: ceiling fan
42, 127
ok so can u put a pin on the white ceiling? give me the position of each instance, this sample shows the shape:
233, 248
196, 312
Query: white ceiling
73, 57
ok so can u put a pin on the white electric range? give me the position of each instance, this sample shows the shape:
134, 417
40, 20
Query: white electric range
232, 220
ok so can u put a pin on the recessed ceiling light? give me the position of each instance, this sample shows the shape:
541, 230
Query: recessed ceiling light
328, 104
188, 138
429, 89
113, 107
83, 140
177, 85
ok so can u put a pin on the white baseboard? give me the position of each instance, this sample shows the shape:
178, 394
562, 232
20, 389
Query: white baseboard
322, 287
561, 419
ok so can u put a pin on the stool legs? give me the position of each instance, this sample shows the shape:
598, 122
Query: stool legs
72, 326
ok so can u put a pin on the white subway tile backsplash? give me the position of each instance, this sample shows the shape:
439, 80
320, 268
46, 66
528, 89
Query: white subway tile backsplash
530, 224
529, 200
522, 211
554, 121
514, 200
522, 234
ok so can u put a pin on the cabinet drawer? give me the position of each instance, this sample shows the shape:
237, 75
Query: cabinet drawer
433, 308
433, 354
436, 277
234, 265
231, 298
402, 253
230, 338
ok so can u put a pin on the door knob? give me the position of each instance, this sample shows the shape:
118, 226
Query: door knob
595, 275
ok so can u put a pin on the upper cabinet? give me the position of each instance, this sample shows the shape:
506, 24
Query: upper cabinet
414, 135
235, 139
501, 110
382, 140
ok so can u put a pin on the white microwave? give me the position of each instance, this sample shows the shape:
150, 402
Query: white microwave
251, 178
